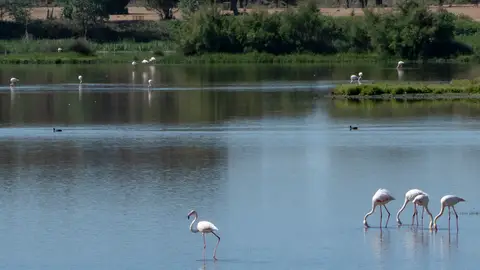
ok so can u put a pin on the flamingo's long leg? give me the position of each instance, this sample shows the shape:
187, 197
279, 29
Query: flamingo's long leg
423, 210
456, 215
381, 215
449, 218
414, 214
215, 250
388, 218
204, 245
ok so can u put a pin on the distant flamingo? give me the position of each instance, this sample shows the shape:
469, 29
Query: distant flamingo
150, 83
380, 198
13, 81
448, 201
422, 200
400, 64
356, 78
80, 78
204, 227
409, 196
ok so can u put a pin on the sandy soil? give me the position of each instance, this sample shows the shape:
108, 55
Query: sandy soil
140, 13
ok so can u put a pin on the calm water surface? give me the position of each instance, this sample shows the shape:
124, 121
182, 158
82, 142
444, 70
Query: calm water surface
277, 171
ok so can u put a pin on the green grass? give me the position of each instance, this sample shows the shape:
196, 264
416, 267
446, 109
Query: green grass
165, 56
455, 89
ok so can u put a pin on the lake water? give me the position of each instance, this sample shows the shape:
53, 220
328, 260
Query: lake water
271, 163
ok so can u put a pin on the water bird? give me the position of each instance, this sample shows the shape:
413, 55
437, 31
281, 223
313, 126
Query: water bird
400, 64
134, 63
59, 50
356, 78
57, 130
354, 128
422, 200
448, 201
409, 196
80, 78
204, 227
380, 198
150, 83
144, 61
152, 59
13, 81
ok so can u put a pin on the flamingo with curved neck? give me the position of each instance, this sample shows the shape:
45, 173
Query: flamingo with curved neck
204, 227
447, 201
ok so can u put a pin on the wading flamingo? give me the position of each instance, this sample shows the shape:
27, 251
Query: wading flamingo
150, 83
134, 63
409, 196
448, 201
204, 227
380, 198
144, 61
80, 78
356, 78
422, 200
13, 81
400, 64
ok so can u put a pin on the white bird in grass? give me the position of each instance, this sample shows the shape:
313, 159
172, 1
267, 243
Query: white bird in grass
409, 196
152, 59
400, 64
80, 78
144, 61
150, 83
448, 201
134, 63
422, 200
13, 81
204, 227
380, 198
59, 50
356, 78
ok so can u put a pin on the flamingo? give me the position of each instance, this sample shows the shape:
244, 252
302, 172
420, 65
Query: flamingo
422, 200
13, 81
150, 83
144, 61
204, 227
80, 78
400, 64
134, 63
409, 196
152, 59
59, 49
380, 198
448, 201
356, 78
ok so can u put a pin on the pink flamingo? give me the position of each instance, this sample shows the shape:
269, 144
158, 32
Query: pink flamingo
380, 198
409, 196
447, 201
422, 200
204, 227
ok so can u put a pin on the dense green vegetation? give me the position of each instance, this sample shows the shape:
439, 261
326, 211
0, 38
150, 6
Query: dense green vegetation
464, 87
298, 35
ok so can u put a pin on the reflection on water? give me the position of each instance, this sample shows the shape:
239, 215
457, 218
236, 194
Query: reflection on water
278, 171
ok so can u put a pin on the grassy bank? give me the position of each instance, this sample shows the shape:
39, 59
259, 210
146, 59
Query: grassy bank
171, 57
457, 89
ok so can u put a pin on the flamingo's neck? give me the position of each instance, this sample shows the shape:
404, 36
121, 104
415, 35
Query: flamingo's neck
192, 229
429, 214
401, 210
439, 215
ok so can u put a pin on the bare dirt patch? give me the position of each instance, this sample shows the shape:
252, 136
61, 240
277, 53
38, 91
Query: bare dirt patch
142, 14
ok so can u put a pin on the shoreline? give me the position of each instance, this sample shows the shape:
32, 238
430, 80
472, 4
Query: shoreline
214, 58
408, 97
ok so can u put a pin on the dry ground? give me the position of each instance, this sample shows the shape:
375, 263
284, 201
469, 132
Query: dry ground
140, 13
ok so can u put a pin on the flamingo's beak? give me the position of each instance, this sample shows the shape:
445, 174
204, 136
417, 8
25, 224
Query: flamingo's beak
188, 217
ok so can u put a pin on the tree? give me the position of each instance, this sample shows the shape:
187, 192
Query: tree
85, 13
3, 9
162, 7
188, 7
20, 10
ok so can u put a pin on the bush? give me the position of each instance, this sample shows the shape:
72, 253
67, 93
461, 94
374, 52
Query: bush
411, 32
82, 47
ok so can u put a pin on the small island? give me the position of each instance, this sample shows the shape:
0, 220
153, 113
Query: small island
456, 89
